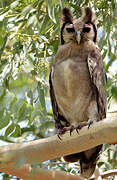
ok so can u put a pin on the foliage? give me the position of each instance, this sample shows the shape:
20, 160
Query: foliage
29, 38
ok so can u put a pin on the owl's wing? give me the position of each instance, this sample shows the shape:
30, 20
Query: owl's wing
98, 77
60, 121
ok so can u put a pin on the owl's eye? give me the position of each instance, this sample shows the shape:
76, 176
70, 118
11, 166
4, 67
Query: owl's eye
86, 28
70, 30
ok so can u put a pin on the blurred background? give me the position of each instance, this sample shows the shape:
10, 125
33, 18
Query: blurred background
29, 38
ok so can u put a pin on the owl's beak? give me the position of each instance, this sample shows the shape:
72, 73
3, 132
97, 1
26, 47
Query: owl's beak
78, 36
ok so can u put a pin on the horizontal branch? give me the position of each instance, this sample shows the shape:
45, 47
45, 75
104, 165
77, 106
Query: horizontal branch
49, 148
26, 172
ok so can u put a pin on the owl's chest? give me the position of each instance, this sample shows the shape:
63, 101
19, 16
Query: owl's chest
72, 78
73, 90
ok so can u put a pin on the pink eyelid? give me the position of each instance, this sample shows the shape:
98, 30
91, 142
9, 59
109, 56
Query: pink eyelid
87, 25
69, 26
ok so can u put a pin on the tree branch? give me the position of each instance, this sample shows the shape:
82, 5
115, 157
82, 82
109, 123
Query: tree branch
26, 172
32, 152
49, 148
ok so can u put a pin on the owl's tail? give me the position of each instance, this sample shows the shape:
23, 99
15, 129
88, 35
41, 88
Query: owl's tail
88, 161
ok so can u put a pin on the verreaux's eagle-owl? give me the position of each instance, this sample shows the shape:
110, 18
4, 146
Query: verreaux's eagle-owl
77, 82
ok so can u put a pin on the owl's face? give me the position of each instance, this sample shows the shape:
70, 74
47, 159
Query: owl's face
79, 30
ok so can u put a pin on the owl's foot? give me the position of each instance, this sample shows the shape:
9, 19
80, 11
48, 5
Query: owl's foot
71, 128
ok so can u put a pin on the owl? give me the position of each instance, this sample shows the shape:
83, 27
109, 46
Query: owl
77, 83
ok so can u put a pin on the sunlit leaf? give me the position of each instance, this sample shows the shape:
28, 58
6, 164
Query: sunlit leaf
14, 4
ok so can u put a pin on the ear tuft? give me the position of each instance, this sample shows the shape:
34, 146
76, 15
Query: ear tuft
66, 15
88, 15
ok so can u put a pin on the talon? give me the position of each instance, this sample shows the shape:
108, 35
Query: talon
59, 137
71, 129
89, 124
77, 130
70, 132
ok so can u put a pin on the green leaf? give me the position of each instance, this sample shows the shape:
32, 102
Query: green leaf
4, 119
13, 102
102, 41
32, 20
109, 49
40, 3
30, 96
2, 95
51, 13
14, 4
113, 58
104, 54
114, 92
45, 25
6, 139
21, 113
35, 112
10, 129
26, 10
3, 41
40, 88
16, 105
17, 131
5, 100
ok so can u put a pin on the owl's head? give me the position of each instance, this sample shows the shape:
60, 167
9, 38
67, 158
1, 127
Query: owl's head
78, 30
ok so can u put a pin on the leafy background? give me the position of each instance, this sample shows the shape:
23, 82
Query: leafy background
29, 38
